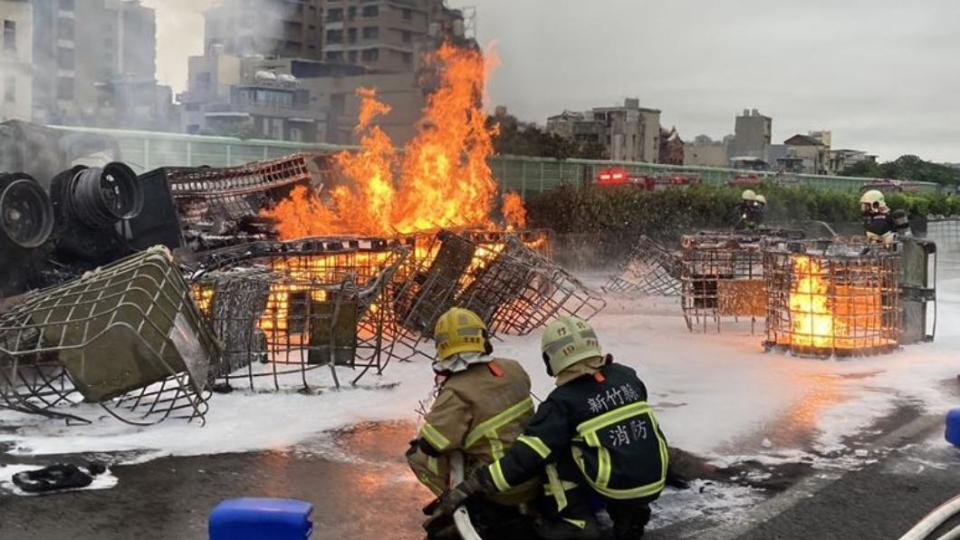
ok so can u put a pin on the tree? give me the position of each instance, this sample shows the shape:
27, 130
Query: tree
906, 167
518, 139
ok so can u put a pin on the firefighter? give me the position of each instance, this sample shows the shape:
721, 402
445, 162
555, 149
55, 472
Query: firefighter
595, 437
750, 210
481, 407
881, 225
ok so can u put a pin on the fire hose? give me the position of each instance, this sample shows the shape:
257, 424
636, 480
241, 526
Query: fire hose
461, 518
935, 520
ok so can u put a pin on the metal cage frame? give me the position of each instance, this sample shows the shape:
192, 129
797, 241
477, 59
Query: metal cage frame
832, 298
649, 269
512, 287
56, 346
721, 278
335, 291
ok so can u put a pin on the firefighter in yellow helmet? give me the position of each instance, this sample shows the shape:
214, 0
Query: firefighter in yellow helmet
750, 210
481, 407
881, 225
594, 434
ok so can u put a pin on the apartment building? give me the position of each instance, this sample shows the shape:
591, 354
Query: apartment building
281, 28
16, 60
385, 35
752, 136
95, 65
628, 133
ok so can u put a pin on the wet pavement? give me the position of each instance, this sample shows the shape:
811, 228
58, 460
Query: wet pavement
366, 495
356, 479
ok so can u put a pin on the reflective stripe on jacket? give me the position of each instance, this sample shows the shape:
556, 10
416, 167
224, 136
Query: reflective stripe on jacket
605, 423
481, 411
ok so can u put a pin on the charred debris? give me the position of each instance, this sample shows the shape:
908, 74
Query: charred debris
143, 294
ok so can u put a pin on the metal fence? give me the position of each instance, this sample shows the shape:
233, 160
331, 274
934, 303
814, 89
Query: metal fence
147, 150
529, 175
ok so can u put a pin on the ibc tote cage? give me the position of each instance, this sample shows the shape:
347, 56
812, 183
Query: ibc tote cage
127, 337
721, 278
832, 298
287, 308
511, 286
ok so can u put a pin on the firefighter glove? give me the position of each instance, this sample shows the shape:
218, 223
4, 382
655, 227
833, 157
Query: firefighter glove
475, 484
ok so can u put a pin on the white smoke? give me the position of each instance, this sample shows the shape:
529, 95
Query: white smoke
179, 36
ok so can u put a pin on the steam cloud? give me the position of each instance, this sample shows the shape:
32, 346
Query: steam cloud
179, 35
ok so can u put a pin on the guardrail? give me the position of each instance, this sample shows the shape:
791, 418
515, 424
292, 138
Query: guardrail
525, 175
529, 175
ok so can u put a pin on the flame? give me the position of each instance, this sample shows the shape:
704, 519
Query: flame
834, 316
514, 212
441, 179
812, 318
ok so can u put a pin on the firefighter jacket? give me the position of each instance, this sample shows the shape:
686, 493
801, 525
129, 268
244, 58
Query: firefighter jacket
480, 412
604, 423
883, 228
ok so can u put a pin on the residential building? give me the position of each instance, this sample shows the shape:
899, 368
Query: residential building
54, 53
705, 152
95, 65
281, 28
292, 99
240, 96
628, 132
805, 154
752, 135
386, 35
577, 126
841, 159
671, 147
307, 62
16, 60
335, 98
825, 137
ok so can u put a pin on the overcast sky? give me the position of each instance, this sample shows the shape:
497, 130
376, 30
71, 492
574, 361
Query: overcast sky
883, 75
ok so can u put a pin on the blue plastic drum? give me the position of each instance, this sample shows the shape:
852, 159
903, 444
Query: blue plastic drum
953, 427
261, 519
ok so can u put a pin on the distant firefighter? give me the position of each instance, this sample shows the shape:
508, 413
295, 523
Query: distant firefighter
883, 226
750, 210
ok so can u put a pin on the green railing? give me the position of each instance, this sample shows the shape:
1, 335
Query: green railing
146, 150
527, 175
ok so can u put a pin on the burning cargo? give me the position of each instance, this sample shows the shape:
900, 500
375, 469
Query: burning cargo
832, 298
513, 287
286, 308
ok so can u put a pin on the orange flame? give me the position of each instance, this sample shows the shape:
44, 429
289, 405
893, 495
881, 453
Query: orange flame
440, 180
514, 212
812, 318
838, 316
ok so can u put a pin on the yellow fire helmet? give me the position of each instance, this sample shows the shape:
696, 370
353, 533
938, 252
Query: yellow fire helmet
761, 199
458, 331
566, 341
873, 199
748, 195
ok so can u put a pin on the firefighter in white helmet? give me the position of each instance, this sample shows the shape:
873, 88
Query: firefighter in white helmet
482, 405
882, 226
750, 210
594, 434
